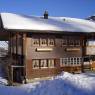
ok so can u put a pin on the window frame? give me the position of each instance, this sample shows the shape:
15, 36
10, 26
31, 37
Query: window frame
50, 41
76, 61
35, 43
71, 42
52, 61
42, 43
38, 67
45, 65
64, 42
78, 42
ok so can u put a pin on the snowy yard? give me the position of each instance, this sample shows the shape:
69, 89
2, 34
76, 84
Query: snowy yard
63, 84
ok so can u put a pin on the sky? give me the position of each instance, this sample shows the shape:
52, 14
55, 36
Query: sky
67, 8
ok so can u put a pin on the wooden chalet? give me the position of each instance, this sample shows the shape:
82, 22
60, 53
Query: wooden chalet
46, 46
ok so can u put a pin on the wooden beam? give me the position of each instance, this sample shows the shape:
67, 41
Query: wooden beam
10, 75
16, 48
16, 66
83, 51
22, 47
25, 53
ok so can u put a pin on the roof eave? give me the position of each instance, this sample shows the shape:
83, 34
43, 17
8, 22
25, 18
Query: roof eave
46, 31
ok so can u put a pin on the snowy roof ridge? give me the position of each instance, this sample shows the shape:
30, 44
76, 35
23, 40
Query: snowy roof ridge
23, 22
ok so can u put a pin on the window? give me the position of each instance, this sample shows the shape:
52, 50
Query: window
51, 42
36, 42
43, 63
66, 61
91, 43
71, 42
72, 61
63, 62
75, 60
51, 63
64, 42
78, 61
43, 42
77, 42
86, 59
35, 64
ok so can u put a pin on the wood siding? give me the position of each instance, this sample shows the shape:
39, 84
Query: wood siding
57, 53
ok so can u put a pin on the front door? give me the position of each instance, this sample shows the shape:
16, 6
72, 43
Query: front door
17, 75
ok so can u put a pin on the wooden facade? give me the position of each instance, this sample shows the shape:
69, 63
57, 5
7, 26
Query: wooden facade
36, 55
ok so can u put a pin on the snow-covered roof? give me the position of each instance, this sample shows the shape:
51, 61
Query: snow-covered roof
22, 22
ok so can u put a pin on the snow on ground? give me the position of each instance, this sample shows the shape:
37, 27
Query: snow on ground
3, 81
66, 84
63, 84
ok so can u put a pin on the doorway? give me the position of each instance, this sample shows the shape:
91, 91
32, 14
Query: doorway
17, 74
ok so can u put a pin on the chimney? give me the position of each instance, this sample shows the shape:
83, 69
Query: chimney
46, 15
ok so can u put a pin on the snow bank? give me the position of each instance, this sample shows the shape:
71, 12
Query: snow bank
3, 81
66, 84
63, 84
